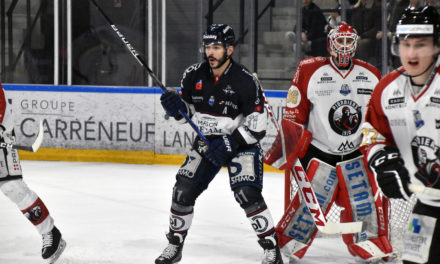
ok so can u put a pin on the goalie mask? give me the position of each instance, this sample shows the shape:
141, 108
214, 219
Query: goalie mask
218, 34
341, 44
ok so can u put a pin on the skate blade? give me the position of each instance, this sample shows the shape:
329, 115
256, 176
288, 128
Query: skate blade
57, 253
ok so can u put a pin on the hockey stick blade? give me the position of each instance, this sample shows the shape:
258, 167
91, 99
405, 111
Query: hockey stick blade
341, 228
309, 197
424, 190
35, 146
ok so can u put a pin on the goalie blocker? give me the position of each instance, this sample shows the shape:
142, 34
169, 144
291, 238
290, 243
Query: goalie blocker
347, 182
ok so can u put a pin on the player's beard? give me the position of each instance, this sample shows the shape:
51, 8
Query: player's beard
220, 61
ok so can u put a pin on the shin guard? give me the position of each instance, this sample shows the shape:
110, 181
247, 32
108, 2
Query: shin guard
29, 204
180, 218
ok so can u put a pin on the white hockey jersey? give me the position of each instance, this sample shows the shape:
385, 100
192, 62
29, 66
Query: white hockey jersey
411, 123
331, 103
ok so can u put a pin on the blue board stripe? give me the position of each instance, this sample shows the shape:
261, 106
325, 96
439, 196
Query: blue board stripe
103, 89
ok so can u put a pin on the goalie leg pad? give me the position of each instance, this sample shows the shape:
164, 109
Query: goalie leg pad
29, 204
369, 250
361, 201
296, 229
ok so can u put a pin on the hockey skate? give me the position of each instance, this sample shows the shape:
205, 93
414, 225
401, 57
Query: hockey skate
173, 252
272, 253
53, 245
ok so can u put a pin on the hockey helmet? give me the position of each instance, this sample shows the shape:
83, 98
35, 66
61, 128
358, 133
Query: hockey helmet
416, 23
219, 34
341, 43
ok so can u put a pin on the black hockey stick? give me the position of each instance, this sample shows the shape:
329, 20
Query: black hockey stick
141, 61
33, 148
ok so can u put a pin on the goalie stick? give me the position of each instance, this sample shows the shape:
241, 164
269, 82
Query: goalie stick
424, 190
306, 190
141, 61
33, 148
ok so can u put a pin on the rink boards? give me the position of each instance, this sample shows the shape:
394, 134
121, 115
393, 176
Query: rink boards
106, 123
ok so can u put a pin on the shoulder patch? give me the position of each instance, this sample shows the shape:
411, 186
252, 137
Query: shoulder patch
293, 97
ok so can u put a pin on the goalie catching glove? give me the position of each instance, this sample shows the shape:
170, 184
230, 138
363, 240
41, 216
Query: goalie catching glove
392, 176
221, 150
172, 103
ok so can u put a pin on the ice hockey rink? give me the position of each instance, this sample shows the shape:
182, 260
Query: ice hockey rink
118, 213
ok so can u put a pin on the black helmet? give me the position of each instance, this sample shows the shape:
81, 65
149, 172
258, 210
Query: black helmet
219, 33
416, 22
419, 22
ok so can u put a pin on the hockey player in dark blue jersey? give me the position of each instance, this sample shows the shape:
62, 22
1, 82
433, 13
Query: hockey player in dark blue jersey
226, 102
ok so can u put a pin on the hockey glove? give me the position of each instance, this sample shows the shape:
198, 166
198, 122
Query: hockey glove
172, 103
392, 176
221, 150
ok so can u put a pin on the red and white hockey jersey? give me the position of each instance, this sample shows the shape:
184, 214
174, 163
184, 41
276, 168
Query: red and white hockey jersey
331, 103
6, 120
397, 117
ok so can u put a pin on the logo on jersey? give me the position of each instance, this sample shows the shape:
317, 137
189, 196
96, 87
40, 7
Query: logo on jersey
326, 78
211, 100
345, 89
197, 99
199, 85
435, 100
345, 117
426, 157
398, 122
228, 90
397, 92
398, 100
414, 226
364, 91
346, 146
418, 121
362, 77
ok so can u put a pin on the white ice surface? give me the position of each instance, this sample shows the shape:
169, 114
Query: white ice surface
118, 213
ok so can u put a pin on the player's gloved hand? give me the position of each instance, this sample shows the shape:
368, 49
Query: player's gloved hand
392, 176
221, 150
172, 103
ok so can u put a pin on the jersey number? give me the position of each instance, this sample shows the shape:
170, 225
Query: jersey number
292, 97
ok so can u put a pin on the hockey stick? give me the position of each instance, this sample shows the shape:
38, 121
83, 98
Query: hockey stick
307, 192
424, 190
35, 146
141, 61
